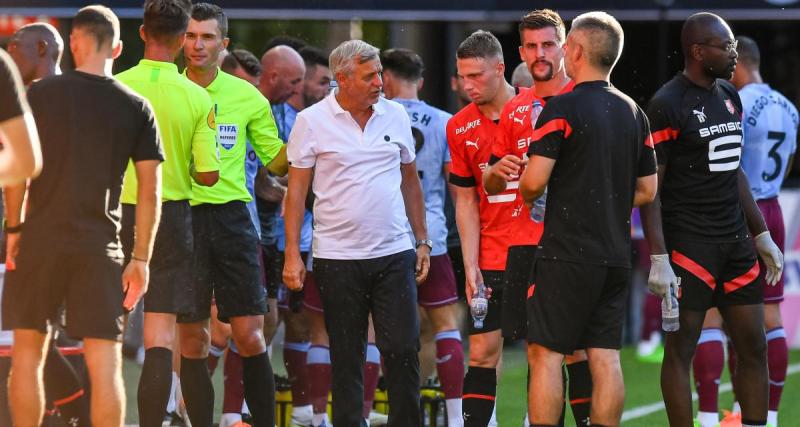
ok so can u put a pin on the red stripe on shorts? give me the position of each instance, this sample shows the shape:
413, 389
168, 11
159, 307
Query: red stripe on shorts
477, 396
68, 399
694, 268
743, 280
531, 288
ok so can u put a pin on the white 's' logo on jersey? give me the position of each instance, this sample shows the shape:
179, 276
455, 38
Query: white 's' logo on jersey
701, 115
724, 153
473, 143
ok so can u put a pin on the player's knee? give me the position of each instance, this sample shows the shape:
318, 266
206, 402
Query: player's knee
772, 316
680, 351
219, 341
483, 359
297, 331
195, 342
755, 352
249, 342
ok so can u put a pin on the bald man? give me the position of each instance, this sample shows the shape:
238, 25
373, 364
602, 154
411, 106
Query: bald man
701, 224
283, 72
36, 49
282, 76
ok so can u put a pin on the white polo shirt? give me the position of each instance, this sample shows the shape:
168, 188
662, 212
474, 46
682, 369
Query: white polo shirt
359, 211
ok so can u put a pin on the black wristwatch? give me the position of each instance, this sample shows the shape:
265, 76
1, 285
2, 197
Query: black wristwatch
426, 242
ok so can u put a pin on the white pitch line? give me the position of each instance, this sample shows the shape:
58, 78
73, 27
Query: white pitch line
642, 411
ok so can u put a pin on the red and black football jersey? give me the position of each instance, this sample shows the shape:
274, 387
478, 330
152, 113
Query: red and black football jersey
470, 136
601, 142
516, 128
697, 134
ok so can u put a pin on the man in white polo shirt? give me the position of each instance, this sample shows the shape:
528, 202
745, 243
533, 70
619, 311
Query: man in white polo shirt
367, 191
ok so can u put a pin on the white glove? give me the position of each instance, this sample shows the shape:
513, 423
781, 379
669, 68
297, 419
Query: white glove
772, 257
662, 279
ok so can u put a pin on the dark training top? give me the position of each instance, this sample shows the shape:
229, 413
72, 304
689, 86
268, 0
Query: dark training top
89, 127
10, 89
600, 140
697, 134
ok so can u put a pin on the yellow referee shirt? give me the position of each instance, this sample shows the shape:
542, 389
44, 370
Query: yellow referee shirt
242, 114
185, 119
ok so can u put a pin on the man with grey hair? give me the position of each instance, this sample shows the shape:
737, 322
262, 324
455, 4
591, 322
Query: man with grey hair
521, 77
367, 192
37, 49
582, 275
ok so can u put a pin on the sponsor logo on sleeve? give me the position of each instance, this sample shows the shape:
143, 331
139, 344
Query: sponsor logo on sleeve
210, 119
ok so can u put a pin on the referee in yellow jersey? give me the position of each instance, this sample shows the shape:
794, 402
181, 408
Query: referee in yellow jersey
226, 263
185, 118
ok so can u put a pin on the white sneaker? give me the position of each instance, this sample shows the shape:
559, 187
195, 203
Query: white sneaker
229, 420
302, 416
378, 419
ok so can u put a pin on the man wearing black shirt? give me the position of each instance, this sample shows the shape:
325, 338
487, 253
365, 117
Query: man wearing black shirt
69, 252
595, 167
703, 217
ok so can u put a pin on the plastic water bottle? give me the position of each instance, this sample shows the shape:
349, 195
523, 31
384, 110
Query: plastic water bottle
479, 306
669, 317
537, 211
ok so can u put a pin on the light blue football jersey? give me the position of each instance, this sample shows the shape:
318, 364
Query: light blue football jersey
251, 165
769, 122
285, 116
432, 154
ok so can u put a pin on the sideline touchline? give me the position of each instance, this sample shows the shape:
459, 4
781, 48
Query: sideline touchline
645, 410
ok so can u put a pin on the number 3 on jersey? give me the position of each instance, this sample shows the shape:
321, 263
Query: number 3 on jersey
773, 154
724, 153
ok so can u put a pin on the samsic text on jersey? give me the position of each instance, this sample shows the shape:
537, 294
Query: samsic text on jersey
697, 133
470, 136
516, 128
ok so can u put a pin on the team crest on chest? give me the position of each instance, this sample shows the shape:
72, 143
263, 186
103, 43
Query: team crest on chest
729, 106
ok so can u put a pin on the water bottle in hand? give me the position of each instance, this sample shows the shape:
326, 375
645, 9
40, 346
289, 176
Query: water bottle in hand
669, 316
479, 306
538, 208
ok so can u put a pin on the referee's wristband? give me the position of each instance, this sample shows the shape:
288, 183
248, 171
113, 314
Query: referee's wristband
11, 230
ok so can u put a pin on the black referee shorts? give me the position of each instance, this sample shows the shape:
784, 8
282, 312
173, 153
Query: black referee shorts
225, 264
575, 306
171, 263
519, 270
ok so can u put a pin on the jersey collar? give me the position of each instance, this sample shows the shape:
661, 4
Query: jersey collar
159, 64
214, 85
337, 109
